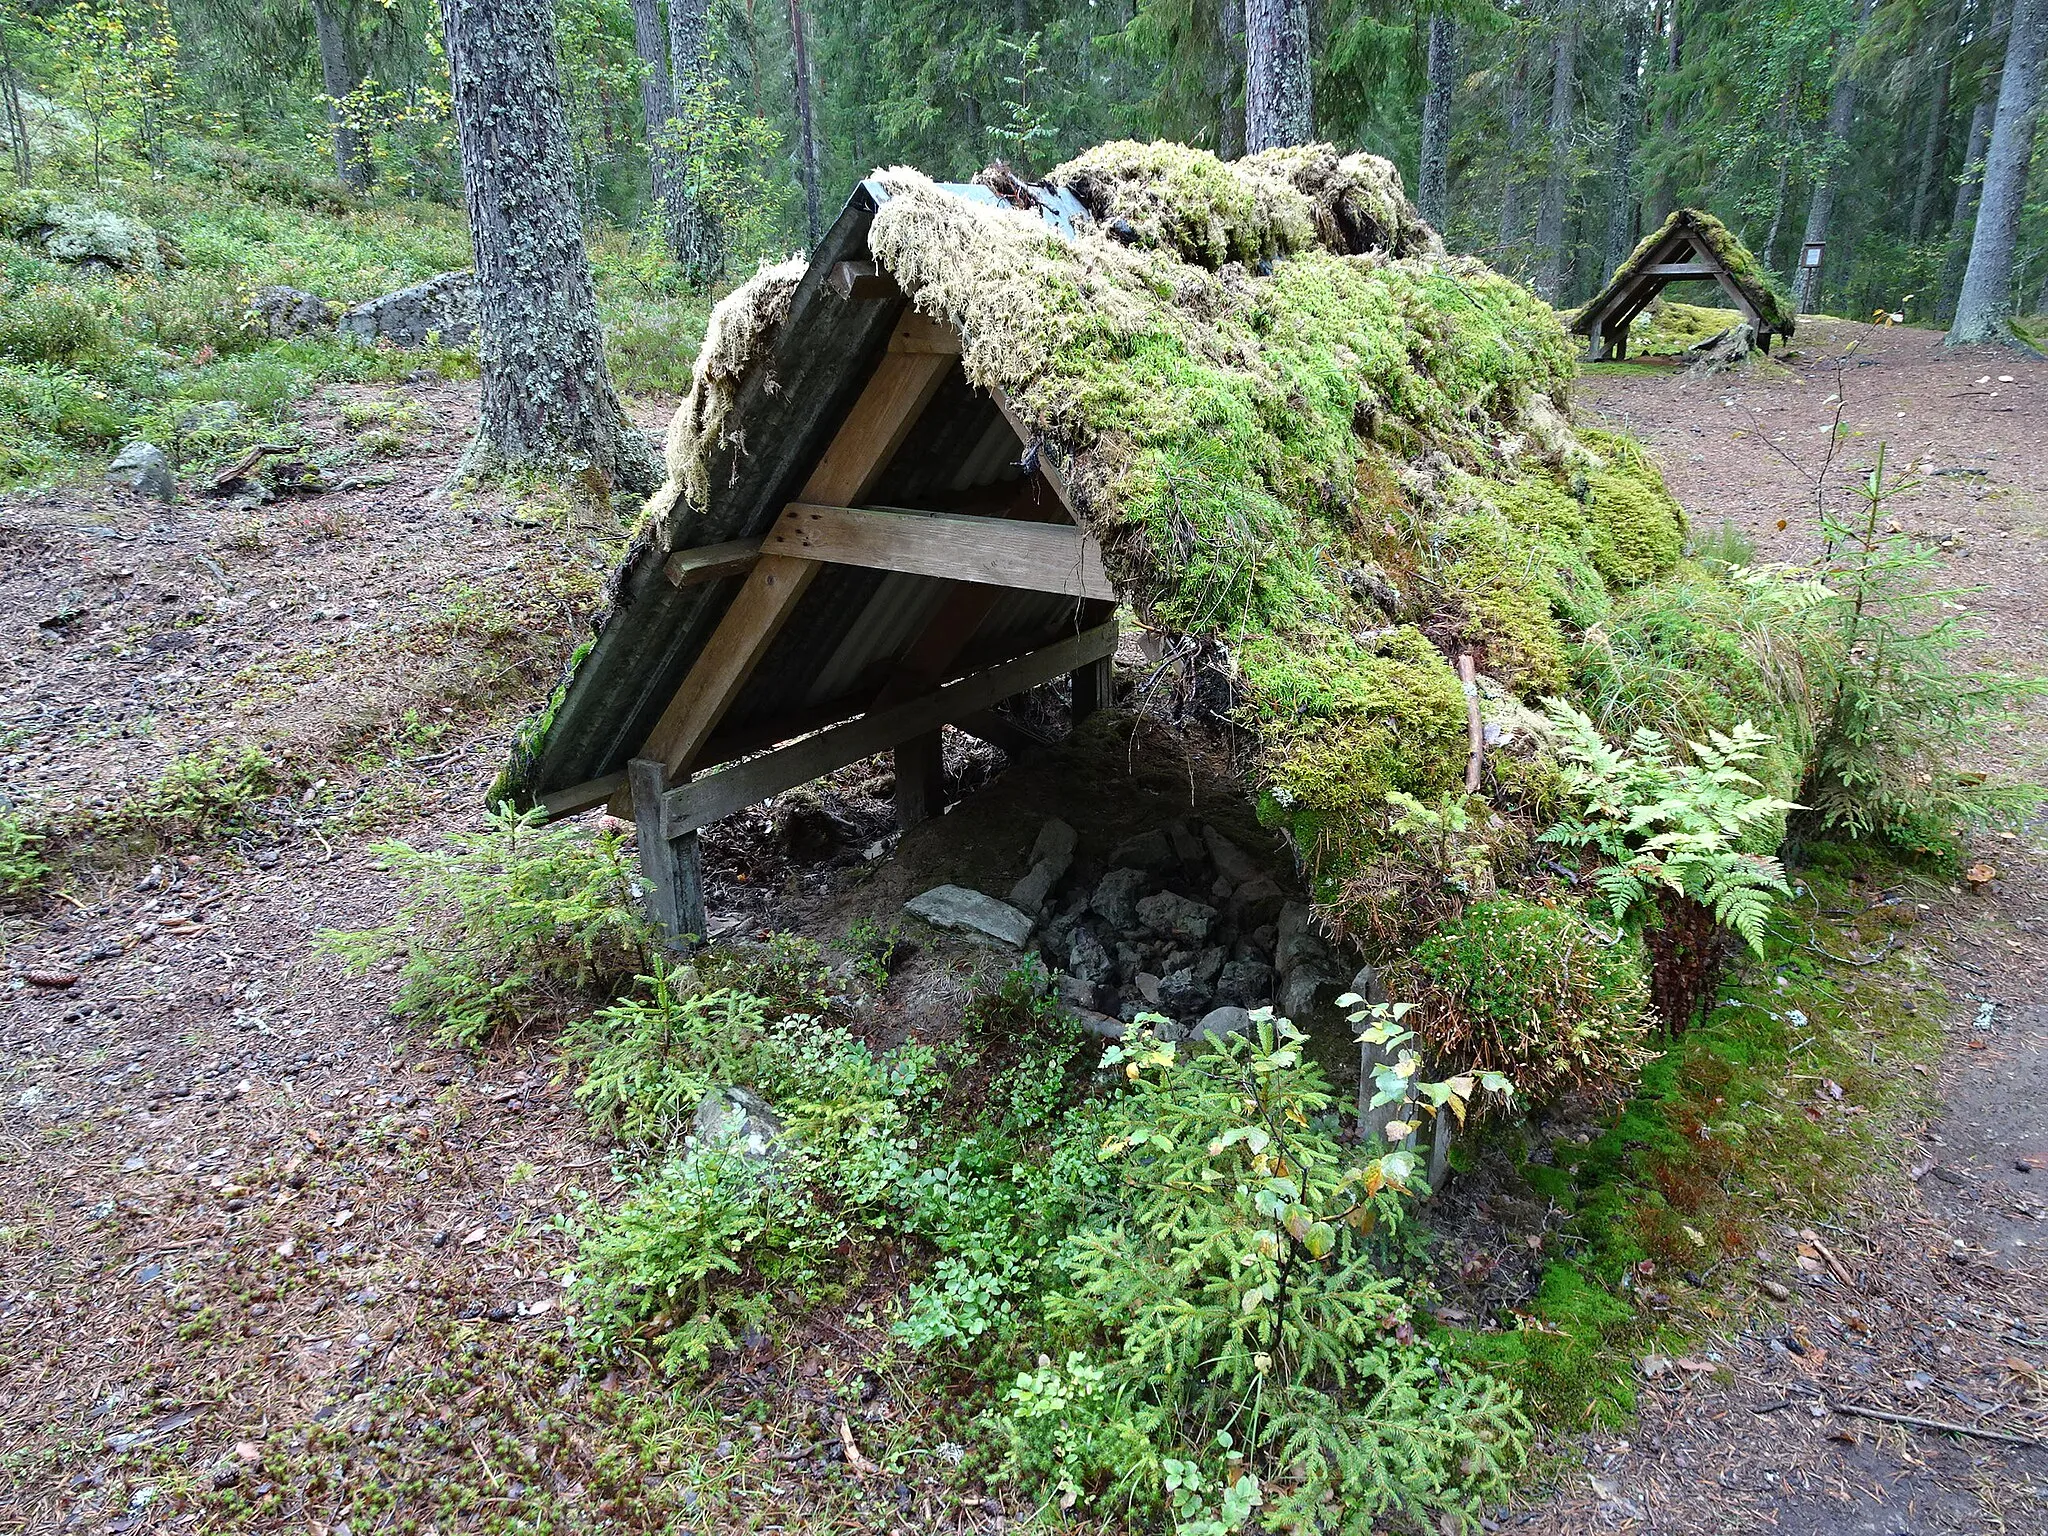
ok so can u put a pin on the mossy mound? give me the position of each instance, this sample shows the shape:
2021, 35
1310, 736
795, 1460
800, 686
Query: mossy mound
79, 234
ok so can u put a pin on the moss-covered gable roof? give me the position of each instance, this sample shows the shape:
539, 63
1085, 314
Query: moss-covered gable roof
1326, 454
1708, 236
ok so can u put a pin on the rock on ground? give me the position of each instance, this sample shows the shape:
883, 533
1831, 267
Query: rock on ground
142, 466
283, 311
441, 309
956, 907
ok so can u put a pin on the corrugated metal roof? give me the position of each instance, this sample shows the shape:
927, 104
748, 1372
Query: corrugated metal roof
851, 626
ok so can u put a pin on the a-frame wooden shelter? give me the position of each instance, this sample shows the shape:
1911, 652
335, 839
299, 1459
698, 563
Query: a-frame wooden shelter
885, 553
1690, 246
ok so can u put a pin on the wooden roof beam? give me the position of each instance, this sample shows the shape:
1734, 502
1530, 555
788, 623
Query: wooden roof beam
901, 386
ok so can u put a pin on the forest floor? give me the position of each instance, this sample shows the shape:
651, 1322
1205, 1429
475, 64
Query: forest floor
268, 1256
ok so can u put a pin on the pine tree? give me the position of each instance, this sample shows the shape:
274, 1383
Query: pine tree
1278, 107
546, 400
1984, 308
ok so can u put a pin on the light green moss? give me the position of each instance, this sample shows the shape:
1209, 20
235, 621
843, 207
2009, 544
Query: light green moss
514, 784
1173, 198
1761, 289
1638, 528
1502, 586
1341, 725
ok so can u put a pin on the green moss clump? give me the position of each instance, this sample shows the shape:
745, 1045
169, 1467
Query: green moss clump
1577, 1364
1173, 198
1668, 327
1638, 527
1342, 725
1529, 990
513, 785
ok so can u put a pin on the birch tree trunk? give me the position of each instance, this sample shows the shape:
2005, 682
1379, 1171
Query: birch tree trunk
1984, 308
1230, 90
695, 237
1627, 123
1432, 177
1968, 185
337, 78
806, 124
1550, 269
1278, 109
1834, 146
546, 400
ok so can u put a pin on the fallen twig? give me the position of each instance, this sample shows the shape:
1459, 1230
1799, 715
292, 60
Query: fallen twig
1475, 726
1891, 944
860, 1464
2004, 1437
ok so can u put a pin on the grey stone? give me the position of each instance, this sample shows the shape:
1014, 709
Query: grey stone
1257, 902
955, 906
442, 308
1220, 889
741, 1120
1247, 983
1232, 862
1209, 964
1181, 995
280, 311
1084, 996
142, 466
1186, 846
1148, 850
1030, 893
1218, 1022
1296, 943
84, 236
1056, 841
1100, 1024
1148, 987
1176, 916
1130, 960
1367, 984
1306, 995
1087, 959
1116, 897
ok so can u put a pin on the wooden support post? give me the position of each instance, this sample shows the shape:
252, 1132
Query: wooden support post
1094, 687
1440, 1152
920, 779
672, 867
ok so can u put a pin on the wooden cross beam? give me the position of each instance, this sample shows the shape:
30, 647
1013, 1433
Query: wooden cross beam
717, 795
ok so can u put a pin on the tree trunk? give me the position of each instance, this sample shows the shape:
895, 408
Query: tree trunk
1984, 309
806, 126
1933, 151
1783, 179
1834, 147
1627, 120
656, 107
1511, 173
694, 236
1550, 270
1662, 194
17, 124
1968, 185
546, 399
1432, 176
1278, 109
1230, 93
338, 77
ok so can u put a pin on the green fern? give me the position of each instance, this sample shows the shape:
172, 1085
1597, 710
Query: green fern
1667, 825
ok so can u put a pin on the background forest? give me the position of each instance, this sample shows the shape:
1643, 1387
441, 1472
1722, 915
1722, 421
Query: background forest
1545, 138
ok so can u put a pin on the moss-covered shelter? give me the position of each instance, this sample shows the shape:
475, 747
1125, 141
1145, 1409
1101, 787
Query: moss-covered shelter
1254, 406
1690, 246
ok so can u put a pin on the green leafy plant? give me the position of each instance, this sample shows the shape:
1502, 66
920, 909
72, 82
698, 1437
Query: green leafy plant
1251, 1352
502, 923
21, 862
1901, 710
1670, 835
